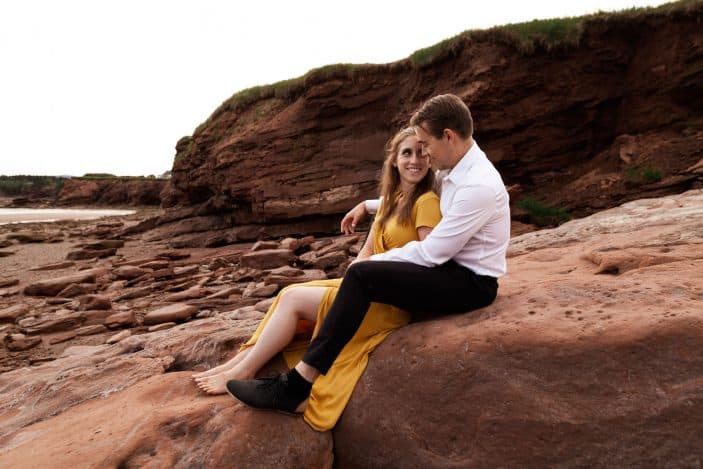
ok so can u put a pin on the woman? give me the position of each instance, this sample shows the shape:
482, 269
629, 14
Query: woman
409, 212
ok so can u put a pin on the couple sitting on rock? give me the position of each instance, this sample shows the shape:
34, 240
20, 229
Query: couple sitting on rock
423, 255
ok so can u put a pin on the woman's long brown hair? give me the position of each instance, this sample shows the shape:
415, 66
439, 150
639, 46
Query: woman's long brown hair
390, 184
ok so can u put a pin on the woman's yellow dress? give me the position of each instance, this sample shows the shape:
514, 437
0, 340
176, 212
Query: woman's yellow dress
331, 392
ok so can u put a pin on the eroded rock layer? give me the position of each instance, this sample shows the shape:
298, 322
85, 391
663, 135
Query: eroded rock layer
582, 127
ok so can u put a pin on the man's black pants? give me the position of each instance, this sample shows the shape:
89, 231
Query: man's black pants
445, 289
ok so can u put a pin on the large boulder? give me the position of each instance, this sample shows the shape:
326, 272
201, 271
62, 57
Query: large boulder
571, 366
165, 421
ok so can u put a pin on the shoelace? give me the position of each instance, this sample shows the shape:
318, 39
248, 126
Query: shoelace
272, 385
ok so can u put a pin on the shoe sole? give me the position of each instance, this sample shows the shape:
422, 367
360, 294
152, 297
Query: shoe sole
297, 412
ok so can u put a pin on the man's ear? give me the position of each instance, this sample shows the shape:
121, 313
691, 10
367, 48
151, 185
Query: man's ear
448, 134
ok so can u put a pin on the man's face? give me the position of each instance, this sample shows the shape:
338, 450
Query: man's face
436, 148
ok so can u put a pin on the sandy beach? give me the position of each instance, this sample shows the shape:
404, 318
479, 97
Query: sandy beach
29, 215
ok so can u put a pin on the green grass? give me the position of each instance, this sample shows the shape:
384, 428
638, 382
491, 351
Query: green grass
643, 175
12, 186
541, 214
98, 176
104, 176
547, 33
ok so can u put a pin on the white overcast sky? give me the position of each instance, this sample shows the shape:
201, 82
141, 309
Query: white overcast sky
110, 86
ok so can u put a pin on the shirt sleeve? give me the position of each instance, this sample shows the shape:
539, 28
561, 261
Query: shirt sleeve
427, 211
470, 209
372, 205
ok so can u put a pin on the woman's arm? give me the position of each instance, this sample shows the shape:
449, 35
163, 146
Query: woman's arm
367, 249
423, 231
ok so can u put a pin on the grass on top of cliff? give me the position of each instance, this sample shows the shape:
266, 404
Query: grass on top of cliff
544, 34
525, 37
112, 176
27, 185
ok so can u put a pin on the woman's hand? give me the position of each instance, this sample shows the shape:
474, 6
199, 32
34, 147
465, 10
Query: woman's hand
352, 218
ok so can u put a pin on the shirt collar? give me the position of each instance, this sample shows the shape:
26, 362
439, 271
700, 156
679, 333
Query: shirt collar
465, 164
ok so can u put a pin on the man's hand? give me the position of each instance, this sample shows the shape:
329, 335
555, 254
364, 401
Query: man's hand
352, 218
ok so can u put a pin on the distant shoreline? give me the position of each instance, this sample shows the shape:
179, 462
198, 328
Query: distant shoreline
10, 216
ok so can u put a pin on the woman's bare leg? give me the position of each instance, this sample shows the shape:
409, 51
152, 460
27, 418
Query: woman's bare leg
296, 303
225, 366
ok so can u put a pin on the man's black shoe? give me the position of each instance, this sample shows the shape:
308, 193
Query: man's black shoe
267, 393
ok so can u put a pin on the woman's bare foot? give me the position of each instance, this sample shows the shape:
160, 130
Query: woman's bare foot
216, 384
224, 367
215, 371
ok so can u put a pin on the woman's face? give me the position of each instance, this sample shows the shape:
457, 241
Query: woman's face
412, 165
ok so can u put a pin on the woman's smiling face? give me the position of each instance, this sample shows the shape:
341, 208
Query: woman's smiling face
411, 164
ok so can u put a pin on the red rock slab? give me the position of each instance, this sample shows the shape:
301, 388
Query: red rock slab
55, 266
51, 287
260, 290
173, 255
96, 316
78, 289
261, 245
80, 374
307, 258
305, 276
171, 313
9, 291
189, 294
83, 254
57, 301
339, 244
94, 302
267, 258
225, 292
118, 337
128, 272
28, 237
104, 244
161, 327
124, 318
132, 293
333, 259
155, 264
162, 273
11, 282
91, 330
12, 313
20, 342
186, 270
44, 325
165, 421
62, 337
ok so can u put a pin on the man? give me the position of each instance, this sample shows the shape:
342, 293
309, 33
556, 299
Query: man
453, 270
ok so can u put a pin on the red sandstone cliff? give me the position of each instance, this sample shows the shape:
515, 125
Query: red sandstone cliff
111, 191
610, 113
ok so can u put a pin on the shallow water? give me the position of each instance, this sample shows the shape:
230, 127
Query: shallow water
34, 215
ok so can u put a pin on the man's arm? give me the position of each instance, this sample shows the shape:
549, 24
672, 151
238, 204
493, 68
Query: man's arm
469, 211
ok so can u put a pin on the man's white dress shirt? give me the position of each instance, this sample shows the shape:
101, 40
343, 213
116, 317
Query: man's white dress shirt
475, 226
